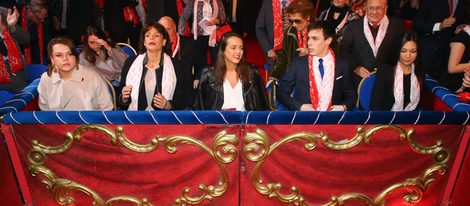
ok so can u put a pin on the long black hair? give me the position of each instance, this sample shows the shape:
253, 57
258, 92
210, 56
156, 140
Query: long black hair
412, 36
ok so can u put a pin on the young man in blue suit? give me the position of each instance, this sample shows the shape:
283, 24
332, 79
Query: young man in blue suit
321, 81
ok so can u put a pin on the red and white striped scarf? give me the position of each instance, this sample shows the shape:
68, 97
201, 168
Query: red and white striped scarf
180, 8
321, 89
14, 56
27, 48
277, 18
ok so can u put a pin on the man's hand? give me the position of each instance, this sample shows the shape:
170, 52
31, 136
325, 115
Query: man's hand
446, 23
362, 72
12, 17
270, 81
302, 51
196, 84
306, 107
272, 54
337, 108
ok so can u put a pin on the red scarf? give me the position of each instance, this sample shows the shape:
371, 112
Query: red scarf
314, 97
14, 57
301, 41
100, 3
180, 8
27, 49
277, 18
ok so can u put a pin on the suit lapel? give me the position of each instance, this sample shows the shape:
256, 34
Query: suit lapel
365, 44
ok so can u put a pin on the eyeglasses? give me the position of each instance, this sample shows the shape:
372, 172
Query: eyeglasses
297, 21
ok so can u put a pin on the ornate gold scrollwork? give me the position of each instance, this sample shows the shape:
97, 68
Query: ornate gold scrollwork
258, 149
223, 151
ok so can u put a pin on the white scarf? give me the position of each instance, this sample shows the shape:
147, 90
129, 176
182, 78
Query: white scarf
135, 74
325, 84
340, 25
383, 26
398, 90
215, 13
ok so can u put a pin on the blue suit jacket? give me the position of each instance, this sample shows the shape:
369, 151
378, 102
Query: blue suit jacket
297, 77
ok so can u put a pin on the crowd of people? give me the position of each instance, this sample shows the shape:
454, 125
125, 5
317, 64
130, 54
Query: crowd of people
319, 52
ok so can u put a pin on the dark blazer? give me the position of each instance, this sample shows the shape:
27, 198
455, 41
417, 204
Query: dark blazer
265, 26
382, 97
160, 8
142, 104
211, 93
182, 63
357, 51
435, 45
297, 77
242, 23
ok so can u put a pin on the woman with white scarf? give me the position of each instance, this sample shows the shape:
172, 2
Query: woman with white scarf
148, 81
398, 88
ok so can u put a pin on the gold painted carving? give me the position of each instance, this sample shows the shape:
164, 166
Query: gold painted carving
258, 149
223, 151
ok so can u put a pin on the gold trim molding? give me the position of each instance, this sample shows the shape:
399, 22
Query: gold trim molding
223, 151
258, 149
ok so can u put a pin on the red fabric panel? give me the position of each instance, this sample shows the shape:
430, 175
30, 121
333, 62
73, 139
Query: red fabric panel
460, 195
432, 103
112, 170
366, 169
254, 53
9, 190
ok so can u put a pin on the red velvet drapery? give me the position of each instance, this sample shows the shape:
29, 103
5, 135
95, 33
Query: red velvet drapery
113, 170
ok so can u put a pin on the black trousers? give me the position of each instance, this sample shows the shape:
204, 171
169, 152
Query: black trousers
201, 46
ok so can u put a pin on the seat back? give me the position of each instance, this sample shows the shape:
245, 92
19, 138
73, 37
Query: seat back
5, 95
112, 92
128, 49
34, 71
364, 92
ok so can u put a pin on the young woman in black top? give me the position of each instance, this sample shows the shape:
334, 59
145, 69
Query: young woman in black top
398, 88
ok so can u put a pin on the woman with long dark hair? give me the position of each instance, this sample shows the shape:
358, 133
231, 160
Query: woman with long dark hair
103, 55
148, 80
231, 84
398, 88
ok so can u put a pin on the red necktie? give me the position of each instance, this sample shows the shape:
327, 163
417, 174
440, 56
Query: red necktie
451, 7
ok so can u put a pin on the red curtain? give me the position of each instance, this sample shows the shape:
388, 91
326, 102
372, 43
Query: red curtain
113, 170
9, 190
366, 168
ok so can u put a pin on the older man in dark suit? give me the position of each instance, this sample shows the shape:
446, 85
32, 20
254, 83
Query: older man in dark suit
370, 41
321, 81
181, 52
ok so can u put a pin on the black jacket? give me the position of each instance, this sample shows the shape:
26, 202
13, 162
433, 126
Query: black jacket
297, 78
211, 94
142, 104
